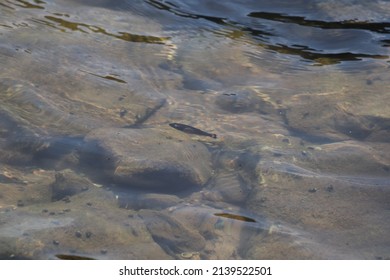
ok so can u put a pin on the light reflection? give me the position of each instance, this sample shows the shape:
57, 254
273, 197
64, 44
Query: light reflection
37, 4
85, 28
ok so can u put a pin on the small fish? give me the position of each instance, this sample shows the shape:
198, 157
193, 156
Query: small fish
235, 217
191, 130
72, 257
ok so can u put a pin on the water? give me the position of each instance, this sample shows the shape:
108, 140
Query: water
296, 92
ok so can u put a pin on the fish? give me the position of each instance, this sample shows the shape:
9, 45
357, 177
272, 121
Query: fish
235, 217
72, 257
191, 130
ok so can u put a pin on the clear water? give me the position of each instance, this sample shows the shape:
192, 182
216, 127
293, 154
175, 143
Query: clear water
297, 93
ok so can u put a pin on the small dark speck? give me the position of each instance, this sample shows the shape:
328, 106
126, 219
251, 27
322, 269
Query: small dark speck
45, 210
312, 190
89, 204
369, 82
122, 113
134, 232
20, 203
277, 154
304, 153
56, 242
263, 200
330, 188
78, 234
88, 234
52, 213
286, 140
103, 251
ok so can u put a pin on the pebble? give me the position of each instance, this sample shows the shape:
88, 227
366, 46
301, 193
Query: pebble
330, 188
66, 199
189, 255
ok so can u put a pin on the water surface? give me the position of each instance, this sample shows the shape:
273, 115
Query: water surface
297, 93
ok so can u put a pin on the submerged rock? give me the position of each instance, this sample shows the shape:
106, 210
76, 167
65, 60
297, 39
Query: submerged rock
328, 118
155, 201
171, 234
28, 106
230, 188
155, 159
352, 158
68, 183
23, 187
43, 124
90, 225
243, 100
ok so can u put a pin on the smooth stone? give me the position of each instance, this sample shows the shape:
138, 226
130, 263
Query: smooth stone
20, 188
43, 124
89, 223
159, 159
155, 201
328, 119
243, 100
352, 158
68, 183
230, 188
172, 235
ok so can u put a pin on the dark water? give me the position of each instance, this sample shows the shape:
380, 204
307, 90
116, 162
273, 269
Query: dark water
296, 92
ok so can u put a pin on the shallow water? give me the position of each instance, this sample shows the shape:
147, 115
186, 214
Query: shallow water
297, 94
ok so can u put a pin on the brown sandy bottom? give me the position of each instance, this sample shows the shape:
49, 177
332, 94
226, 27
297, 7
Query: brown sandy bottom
91, 168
